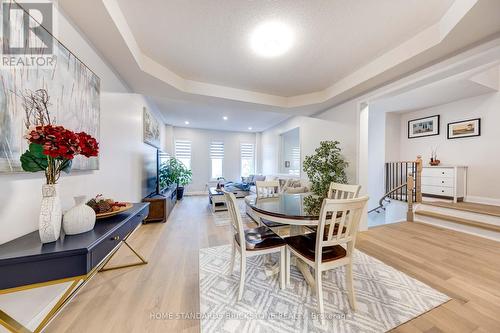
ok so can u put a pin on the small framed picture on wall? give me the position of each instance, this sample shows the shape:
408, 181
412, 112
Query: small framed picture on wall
428, 126
464, 129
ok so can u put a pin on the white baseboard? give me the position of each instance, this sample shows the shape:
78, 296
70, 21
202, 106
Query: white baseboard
483, 200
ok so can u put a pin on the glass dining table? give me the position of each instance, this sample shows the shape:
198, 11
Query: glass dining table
283, 208
288, 209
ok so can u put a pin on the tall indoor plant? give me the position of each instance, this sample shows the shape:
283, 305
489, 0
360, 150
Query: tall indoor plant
178, 174
326, 165
51, 149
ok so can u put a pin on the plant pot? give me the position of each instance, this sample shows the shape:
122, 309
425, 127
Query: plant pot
180, 192
79, 219
49, 222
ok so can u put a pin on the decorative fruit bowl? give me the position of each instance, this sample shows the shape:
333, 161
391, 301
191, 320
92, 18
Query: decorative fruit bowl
122, 209
107, 207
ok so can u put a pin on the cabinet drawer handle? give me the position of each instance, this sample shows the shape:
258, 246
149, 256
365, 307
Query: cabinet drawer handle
442, 182
115, 238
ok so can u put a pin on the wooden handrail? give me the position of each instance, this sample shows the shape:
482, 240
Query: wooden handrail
418, 179
410, 184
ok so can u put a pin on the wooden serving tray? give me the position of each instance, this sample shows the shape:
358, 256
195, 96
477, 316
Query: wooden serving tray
113, 213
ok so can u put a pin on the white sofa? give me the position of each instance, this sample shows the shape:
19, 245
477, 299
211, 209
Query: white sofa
288, 183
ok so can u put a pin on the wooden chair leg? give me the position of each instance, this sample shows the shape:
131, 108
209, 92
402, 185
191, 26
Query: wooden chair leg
233, 254
350, 286
288, 262
319, 294
282, 267
242, 277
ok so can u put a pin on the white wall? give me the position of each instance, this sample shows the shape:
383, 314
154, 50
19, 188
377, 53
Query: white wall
200, 155
344, 120
392, 137
480, 154
376, 155
312, 131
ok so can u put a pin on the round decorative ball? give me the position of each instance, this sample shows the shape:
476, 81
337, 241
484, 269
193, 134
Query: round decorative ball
79, 219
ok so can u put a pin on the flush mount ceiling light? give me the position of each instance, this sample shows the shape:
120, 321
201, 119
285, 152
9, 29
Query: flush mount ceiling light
225, 118
249, 128
271, 39
186, 122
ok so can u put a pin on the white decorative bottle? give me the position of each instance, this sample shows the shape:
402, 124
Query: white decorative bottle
49, 222
79, 219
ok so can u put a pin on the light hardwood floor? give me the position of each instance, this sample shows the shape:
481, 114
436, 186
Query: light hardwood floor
465, 267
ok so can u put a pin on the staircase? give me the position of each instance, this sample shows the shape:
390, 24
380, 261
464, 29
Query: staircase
477, 219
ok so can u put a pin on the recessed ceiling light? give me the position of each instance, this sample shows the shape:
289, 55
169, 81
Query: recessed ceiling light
186, 122
271, 39
249, 128
225, 118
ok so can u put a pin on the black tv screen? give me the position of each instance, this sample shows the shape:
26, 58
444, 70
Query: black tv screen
162, 161
150, 180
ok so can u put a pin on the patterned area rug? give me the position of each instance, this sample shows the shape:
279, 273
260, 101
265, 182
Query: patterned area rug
386, 298
222, 218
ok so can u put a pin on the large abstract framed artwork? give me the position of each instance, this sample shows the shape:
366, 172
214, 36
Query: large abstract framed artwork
73, 101
464, 129
428, 126
151, 129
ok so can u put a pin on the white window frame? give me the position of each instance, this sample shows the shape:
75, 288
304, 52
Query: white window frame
183, 151
216, 152
244, 146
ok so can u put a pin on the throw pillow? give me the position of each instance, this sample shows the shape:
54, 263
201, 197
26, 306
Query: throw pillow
295, 190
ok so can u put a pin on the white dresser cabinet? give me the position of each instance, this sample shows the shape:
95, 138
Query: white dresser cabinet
445, 182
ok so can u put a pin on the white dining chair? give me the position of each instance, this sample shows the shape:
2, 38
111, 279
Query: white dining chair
252, 242
265, 189
333, 244
343, 191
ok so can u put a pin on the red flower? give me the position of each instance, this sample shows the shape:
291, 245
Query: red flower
59, 142
89, 146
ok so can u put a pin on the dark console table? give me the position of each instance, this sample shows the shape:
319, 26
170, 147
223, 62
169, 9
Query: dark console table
26, 263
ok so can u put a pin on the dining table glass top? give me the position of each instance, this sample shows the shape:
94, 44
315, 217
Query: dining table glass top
290, 206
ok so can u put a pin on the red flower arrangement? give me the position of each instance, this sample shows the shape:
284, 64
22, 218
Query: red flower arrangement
52, 149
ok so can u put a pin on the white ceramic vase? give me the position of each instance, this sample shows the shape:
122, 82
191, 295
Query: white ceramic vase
79, 219
49, 222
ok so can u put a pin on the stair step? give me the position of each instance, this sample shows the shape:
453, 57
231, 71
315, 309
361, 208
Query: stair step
459, 220
467, 207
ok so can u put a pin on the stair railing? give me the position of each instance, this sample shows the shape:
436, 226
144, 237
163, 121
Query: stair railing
409, 186
403, 183
396, 174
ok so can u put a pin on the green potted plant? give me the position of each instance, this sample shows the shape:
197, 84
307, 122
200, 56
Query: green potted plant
175, 172
326, 165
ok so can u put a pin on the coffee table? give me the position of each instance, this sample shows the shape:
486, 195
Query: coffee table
216, 199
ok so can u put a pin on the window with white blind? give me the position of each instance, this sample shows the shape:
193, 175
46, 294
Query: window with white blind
217, 158
295, 165
247, 151
183, 152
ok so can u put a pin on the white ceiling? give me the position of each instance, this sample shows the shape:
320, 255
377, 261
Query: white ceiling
451, 89
208, 115
193, 56
208, 41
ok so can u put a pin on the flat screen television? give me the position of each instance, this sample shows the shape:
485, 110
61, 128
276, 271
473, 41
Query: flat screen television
162, 159
152, 163
150, 173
